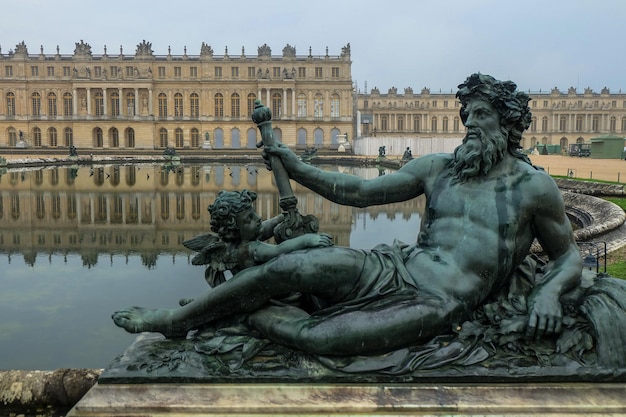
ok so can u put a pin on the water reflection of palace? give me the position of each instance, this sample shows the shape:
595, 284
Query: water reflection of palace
145, 210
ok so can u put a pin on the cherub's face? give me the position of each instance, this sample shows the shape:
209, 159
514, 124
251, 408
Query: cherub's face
249, 224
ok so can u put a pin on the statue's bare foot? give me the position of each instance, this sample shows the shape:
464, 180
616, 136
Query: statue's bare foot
139, 319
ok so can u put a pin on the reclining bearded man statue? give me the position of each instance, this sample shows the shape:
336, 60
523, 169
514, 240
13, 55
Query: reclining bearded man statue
485, 205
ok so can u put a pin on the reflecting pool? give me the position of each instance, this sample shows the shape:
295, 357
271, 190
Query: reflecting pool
77, 243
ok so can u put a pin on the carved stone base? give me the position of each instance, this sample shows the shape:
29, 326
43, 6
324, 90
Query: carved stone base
550, 399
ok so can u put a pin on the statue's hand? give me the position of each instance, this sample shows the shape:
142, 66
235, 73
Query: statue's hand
282, 151
545, 315
315, 240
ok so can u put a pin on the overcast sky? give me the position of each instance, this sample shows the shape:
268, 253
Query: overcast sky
539, 44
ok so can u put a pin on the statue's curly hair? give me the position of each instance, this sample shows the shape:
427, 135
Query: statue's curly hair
224, 212
511, 104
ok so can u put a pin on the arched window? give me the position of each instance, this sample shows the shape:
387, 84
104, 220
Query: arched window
613, 124
416, 124
163, 137
579, 123
301, 137
218, 136
178, 135
383, 123
219, 105
444, 124
433, 124
252, 135
595, 124
194, 105
68, 137
52, 137
318, 136
623, 124
251, 99
10, 104
52, 104
235, 138
562, 123
178, 105
334, 106
36, 137
130, 137
68, 105
115, 104
301, 105
99, 101
36, 104
114, 138
318, 106
235, 106
277, 103
457, 124
12, 136
162, 99
98, 140
195, 138
400, 123
544, 124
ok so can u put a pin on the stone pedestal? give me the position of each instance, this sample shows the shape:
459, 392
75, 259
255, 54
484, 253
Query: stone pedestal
266, 399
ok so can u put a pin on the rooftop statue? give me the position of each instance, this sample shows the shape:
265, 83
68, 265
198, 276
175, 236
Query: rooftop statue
465, 293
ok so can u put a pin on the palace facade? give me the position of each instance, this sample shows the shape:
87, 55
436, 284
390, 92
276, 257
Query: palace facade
145, 101
559, 118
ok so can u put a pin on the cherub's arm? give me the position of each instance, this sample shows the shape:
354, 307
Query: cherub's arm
267, 226
263, 252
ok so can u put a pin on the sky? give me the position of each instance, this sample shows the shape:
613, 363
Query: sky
538, 44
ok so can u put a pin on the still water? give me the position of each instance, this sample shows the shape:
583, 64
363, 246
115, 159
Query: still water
77, 243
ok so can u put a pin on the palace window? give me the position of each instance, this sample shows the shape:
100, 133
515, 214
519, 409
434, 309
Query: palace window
457, 124
161, 72
444, 124
251, 72
178, 136
114, 71
68, 137
579, 123
335, 72
50, 71
301, 72
400, 123
219, 105
416, 124
68, 105
8, 71
277, 102
67, 71
10, 104
595, 124
318, 106
234, 72
301, 105
195, 138
37, 137
34, 71
162, 99
163, 137
218, 72
99, 101
612, 124
115, 104
251, 99
130, 138
544, 124
178, 105
562, 123
114, 137
97, 71
276, 72
194, 105
178, 72
433, 124
130, 71
193, 72
52, 137
36, 104
235, 107
52, 104
318, 72
334, 106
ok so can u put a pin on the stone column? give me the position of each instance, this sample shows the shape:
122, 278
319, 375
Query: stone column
104, 102
75, 103
88, 101
136, 102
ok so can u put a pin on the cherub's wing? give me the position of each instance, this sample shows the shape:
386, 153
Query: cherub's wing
213, 252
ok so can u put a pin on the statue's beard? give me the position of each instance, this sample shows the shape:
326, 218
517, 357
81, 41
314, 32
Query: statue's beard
478, 154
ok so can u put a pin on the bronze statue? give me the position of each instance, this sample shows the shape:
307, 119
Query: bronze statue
486, 203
